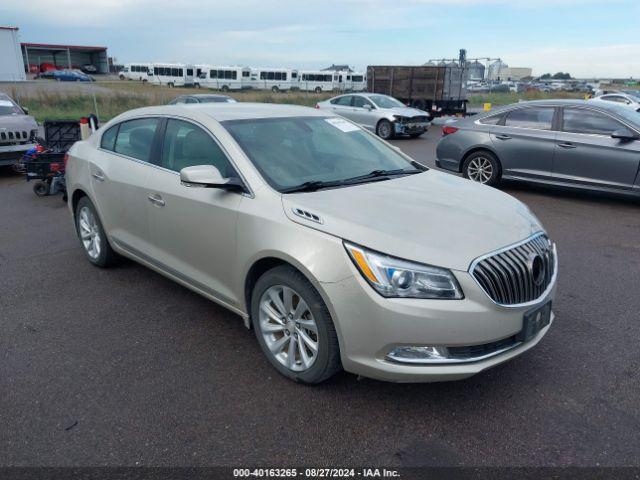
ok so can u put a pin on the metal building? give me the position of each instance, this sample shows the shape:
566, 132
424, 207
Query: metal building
64, 56
11, 64
476, 70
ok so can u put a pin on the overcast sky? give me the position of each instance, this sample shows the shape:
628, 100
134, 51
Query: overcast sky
584, 37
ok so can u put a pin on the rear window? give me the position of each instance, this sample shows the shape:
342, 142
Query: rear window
108, 139
135, 138
539, 118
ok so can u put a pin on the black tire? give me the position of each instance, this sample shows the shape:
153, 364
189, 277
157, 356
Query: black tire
170, 85
318, 90
197, 85
225, 88
121, 77
41, 189
107, 257
275, 89
384, 129
482, 158
327, 362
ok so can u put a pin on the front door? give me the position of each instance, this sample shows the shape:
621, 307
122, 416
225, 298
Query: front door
524, 140
364, 112
193, 229
586, 154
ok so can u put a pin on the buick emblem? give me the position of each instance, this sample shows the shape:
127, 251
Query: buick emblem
537, 269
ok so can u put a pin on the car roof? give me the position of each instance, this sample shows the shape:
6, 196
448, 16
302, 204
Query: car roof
231, 111
207, 95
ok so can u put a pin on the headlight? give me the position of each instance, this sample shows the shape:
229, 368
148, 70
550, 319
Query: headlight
393, 277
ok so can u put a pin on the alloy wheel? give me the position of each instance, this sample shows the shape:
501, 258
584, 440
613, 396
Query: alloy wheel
89, 232
288, 327
480, 169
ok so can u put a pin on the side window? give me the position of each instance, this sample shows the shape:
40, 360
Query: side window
189, 72
263, 75
492, 120
135, 138
615, 98
360, 102
186, 145
539, 118
108, 139
271, 75
345, 101
577, 120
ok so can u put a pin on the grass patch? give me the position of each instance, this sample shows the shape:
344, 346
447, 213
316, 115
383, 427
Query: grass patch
54, 101
505, 98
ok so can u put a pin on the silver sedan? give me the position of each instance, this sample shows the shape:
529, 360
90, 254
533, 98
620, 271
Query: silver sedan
382, 114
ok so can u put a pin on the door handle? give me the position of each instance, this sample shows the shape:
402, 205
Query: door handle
156, 200
98, 176
502, 136
567, 145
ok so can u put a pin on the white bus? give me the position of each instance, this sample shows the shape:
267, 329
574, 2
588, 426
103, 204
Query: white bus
274, 79
222, 78
321, 81
357, 82
135, 71
172, 74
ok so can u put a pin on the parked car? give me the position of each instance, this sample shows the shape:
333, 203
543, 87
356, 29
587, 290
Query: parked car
585, 144
88, 68
202, 98
383, 114
17, 131
626, 99
338, 249
66, 76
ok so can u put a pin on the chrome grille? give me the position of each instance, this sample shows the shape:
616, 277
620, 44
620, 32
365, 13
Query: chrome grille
518, 274
14, 136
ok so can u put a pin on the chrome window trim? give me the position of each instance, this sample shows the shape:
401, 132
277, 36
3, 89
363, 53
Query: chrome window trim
543, 295
248, 194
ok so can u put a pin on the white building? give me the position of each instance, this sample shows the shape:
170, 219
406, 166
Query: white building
11, 62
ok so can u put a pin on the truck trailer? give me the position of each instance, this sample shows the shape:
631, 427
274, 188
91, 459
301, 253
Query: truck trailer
441, 89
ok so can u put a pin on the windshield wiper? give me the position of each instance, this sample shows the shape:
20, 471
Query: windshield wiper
381, 173
374, 176
311, 186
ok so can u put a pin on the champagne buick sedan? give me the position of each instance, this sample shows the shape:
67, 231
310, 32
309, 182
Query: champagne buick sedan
337, 249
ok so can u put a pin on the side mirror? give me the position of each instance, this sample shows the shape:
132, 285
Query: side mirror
208, 176
25, 110
366, 106
625, 135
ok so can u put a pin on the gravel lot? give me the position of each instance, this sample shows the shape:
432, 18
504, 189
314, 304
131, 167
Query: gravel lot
124, 367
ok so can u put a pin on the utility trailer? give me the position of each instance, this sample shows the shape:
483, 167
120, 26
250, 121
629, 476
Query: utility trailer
441, 90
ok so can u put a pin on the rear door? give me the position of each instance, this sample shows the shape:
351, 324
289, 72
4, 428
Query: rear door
119, 171
524, 140
193, 229
342, 106
587, 155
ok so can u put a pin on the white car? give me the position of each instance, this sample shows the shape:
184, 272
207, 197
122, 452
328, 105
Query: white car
626, 99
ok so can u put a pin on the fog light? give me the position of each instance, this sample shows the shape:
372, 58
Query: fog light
417, 354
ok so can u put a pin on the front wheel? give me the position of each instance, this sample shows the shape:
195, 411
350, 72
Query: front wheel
385, 129
92, 237
482, 167
275, 89
318, 90
294, 327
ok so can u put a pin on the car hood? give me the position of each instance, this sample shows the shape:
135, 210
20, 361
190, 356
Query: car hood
432, 217
21, 123
406, 112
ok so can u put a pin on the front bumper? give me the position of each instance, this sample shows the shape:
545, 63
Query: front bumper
10, 154
411, 128
371, 326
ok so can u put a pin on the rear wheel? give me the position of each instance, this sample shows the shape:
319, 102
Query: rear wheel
294, 327
275, 89
482, 167
92, 237
318, 90
385, 129
41, 189
225, 88
170, 85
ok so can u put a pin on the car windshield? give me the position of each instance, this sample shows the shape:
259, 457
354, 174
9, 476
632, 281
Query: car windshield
7, 107
384, 101
296, 151
215, 99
